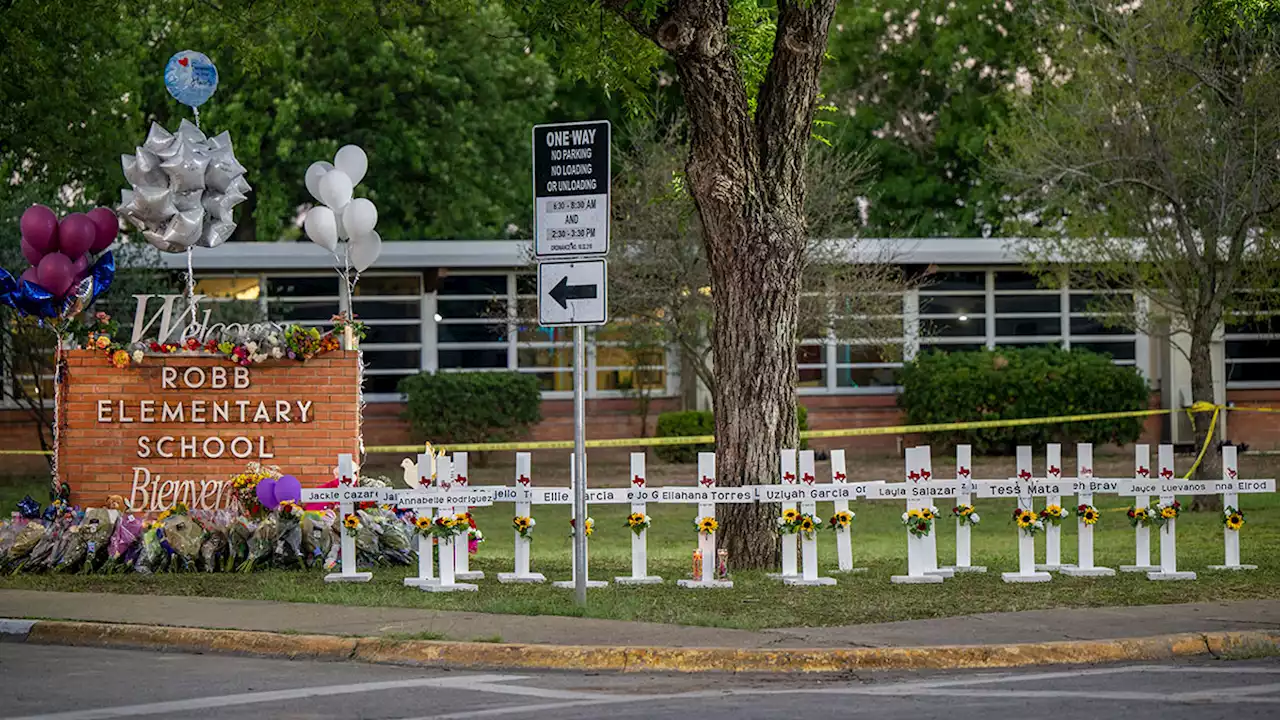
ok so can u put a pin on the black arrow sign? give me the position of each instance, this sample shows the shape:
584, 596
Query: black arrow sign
563, 292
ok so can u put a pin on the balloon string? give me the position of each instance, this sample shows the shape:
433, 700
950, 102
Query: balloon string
191, 287
196, 110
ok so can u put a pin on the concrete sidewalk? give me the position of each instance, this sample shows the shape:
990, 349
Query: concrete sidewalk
1037, 626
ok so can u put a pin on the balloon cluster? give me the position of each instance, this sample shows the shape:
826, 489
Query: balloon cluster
69, 263
273, 492
184, 188
341, 217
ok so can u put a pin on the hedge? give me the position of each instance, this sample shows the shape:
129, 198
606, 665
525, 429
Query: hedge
472, 407
1012, 383
692, 423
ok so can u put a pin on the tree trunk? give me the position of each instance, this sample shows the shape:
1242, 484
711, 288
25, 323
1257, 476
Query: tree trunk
1202, 391
746, 176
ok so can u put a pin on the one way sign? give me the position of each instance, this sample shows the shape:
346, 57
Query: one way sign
573, 293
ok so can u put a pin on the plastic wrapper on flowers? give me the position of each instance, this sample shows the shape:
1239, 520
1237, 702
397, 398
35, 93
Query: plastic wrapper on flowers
8, 534
152, 556
368, 538
397, 541
215, 548
181, 540
318, 536
42, 555
239, 533
70, 551
97, 530
24, 543
288, 548
122, 549
262, 545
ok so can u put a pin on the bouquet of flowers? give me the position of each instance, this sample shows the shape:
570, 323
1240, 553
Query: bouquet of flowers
966, 514
1139, 517
8, 535
1232, 517
317, 536
523, 525
288, 552
789, 522
28, 537
215, 548
1027, 521
841, 520
98, 528
706, 525
122, 549
1053, 514
1088, 514
809, 525
245, 487
368, 538
46, 552
182, 539
638, 522
919, 521
1162, 513
152, 557
590, 528
262, 545
397, 546
239, 534
72, 550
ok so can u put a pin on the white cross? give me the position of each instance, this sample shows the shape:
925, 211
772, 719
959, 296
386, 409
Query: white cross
347, 494
964, 496
1085, 486
1231, 499
706, 509
844, 539
639, 543
1019, 487
523, 496
448, 498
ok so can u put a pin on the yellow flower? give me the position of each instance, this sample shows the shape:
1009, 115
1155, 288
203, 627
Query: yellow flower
1054, 509
708, 525
422, 522
966, 509
790, 515
1235, 521
1168, 513
1026, 519
103, 342
915, 513
927, 514
351, 522
807, 524
1090, 516
120, 359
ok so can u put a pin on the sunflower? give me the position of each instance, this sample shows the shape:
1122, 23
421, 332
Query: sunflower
1235, 521
1090, 516
422, 522
1026, 519
926, 514
841, 520
708, 525
103, 342
915, 513
807, 524
352, 523
1168, 513
791, 515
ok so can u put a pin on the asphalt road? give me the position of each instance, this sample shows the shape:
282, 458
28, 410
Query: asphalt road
63, 683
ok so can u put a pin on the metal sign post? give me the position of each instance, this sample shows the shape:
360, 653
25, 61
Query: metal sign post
571, 184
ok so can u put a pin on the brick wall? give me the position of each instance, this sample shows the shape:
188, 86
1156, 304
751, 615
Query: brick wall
1258, 430
99, 451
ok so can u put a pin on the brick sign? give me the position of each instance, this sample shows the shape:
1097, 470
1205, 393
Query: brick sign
174, 428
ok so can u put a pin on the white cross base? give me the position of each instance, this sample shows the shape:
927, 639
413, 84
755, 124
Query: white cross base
706, 541
639, 542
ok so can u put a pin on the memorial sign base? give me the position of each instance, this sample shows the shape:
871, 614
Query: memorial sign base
1160, 575
456, 587
1233, 567
569, 584
1017, 577
1140, 568
1044, 567
509, 578
354, 577
780, 576
942, 572
966, 568
704, 584
1088, 572
628, 580
419, 582
850, 571
815, 582
470, 575
915, 579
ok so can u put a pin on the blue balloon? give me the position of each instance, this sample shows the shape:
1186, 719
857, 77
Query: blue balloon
103, 272
191, 78
7, 286
34, 300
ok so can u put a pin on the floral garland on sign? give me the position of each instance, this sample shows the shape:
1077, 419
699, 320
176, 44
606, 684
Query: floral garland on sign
919, 521
1162, 513
1139, 517
1027, 521
966, 514
638, 522
1088, 514
1232, 517
706, 525
524, 525
1053, 514
841, 520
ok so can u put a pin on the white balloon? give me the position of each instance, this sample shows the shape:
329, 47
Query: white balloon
321, 227
352, 161
360, 217
315, 172
365, 250
335, 189
342, 230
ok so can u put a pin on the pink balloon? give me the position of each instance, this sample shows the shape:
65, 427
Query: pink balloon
31, 275
56, 273
40, 228
76, 234
107, 227
81, 267
30, 253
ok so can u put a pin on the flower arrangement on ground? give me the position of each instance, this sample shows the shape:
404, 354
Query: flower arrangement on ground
352, 524
919, 521
591, 526
1088, 514
1027, 521
1053, 514
706, 525
841, 520
966, 514
1139, 517
1232, 517
1162, 513
523, 525
638, 522
245, 487
789, 522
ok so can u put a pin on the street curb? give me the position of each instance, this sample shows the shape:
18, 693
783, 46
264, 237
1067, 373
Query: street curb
432, 653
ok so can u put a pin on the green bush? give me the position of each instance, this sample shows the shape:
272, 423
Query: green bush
472, 407
692, 423
1010, 383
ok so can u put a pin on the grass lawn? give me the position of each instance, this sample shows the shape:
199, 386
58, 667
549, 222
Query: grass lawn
756, 602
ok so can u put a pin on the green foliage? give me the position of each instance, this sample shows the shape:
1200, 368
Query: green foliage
920, 84
695, 423
472, 407
1011, 383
